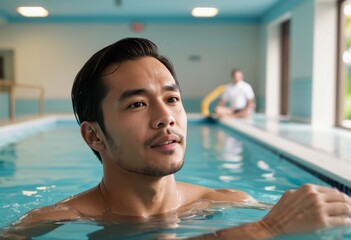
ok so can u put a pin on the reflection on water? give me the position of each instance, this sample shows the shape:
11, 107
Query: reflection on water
198, 218
222, 147
47, 168
223, 158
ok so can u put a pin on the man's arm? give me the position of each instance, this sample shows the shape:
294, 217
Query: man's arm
221, 110
247, 110
28, 231
221, 103
39, 221
304, 210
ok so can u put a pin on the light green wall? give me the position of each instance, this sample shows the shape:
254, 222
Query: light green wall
301, 65
52, 54
301, 16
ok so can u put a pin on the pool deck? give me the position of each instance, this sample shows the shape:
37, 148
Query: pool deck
324, 150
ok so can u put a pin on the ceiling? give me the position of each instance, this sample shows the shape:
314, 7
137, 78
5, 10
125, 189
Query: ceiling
136, 10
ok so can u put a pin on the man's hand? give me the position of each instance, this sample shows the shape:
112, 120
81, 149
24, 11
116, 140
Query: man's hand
303, 210
307, 209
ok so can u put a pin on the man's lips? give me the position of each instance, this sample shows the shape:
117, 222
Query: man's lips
165, 140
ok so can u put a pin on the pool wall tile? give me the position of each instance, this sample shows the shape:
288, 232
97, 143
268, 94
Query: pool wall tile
4, 106
300, 99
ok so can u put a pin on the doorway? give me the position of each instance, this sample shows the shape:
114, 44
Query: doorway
7, 65
284, 67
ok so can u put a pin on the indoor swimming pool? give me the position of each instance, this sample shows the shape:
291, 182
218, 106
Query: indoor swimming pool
45, 162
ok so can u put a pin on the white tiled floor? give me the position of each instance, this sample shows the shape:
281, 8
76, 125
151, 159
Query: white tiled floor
332, 141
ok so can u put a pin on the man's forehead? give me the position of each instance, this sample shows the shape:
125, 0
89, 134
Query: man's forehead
140, 73
135, 67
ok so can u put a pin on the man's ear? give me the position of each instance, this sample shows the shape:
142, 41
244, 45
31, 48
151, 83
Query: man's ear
91, 134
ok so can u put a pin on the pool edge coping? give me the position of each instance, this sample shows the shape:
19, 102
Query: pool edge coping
326, 164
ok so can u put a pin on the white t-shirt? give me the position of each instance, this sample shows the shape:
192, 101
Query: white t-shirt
238, 94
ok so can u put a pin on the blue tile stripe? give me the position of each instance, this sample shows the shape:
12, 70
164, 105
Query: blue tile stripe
4, 106
31, 106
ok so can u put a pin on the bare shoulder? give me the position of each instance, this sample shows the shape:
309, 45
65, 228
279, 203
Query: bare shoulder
57, 211
76, 207
192, 193
226, 194
88, 203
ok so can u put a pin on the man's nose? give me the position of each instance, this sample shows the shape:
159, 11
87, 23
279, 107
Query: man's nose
162, 116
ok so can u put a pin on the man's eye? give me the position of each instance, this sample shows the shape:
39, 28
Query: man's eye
173, 99
136, 105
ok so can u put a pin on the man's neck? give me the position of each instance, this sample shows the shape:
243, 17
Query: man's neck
237, 81
139, 195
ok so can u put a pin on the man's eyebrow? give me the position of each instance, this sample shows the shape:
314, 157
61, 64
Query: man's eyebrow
173, 88
130, 93
141, 91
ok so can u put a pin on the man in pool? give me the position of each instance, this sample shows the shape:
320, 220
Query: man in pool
127, 101
240, 97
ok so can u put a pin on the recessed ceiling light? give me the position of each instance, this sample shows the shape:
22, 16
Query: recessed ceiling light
33, 11
204, 12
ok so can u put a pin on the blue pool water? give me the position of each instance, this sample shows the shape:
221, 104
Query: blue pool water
55, 163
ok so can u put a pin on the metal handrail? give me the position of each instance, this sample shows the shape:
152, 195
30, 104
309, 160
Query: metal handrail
11, 89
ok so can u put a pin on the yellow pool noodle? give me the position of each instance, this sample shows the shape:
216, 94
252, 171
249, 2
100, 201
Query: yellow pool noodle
205, 104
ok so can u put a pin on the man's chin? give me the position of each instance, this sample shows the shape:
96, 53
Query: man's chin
156, 171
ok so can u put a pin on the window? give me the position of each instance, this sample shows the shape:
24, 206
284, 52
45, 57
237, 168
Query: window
344, 65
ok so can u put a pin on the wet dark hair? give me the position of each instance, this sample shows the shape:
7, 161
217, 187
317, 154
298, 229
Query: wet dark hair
88, 89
